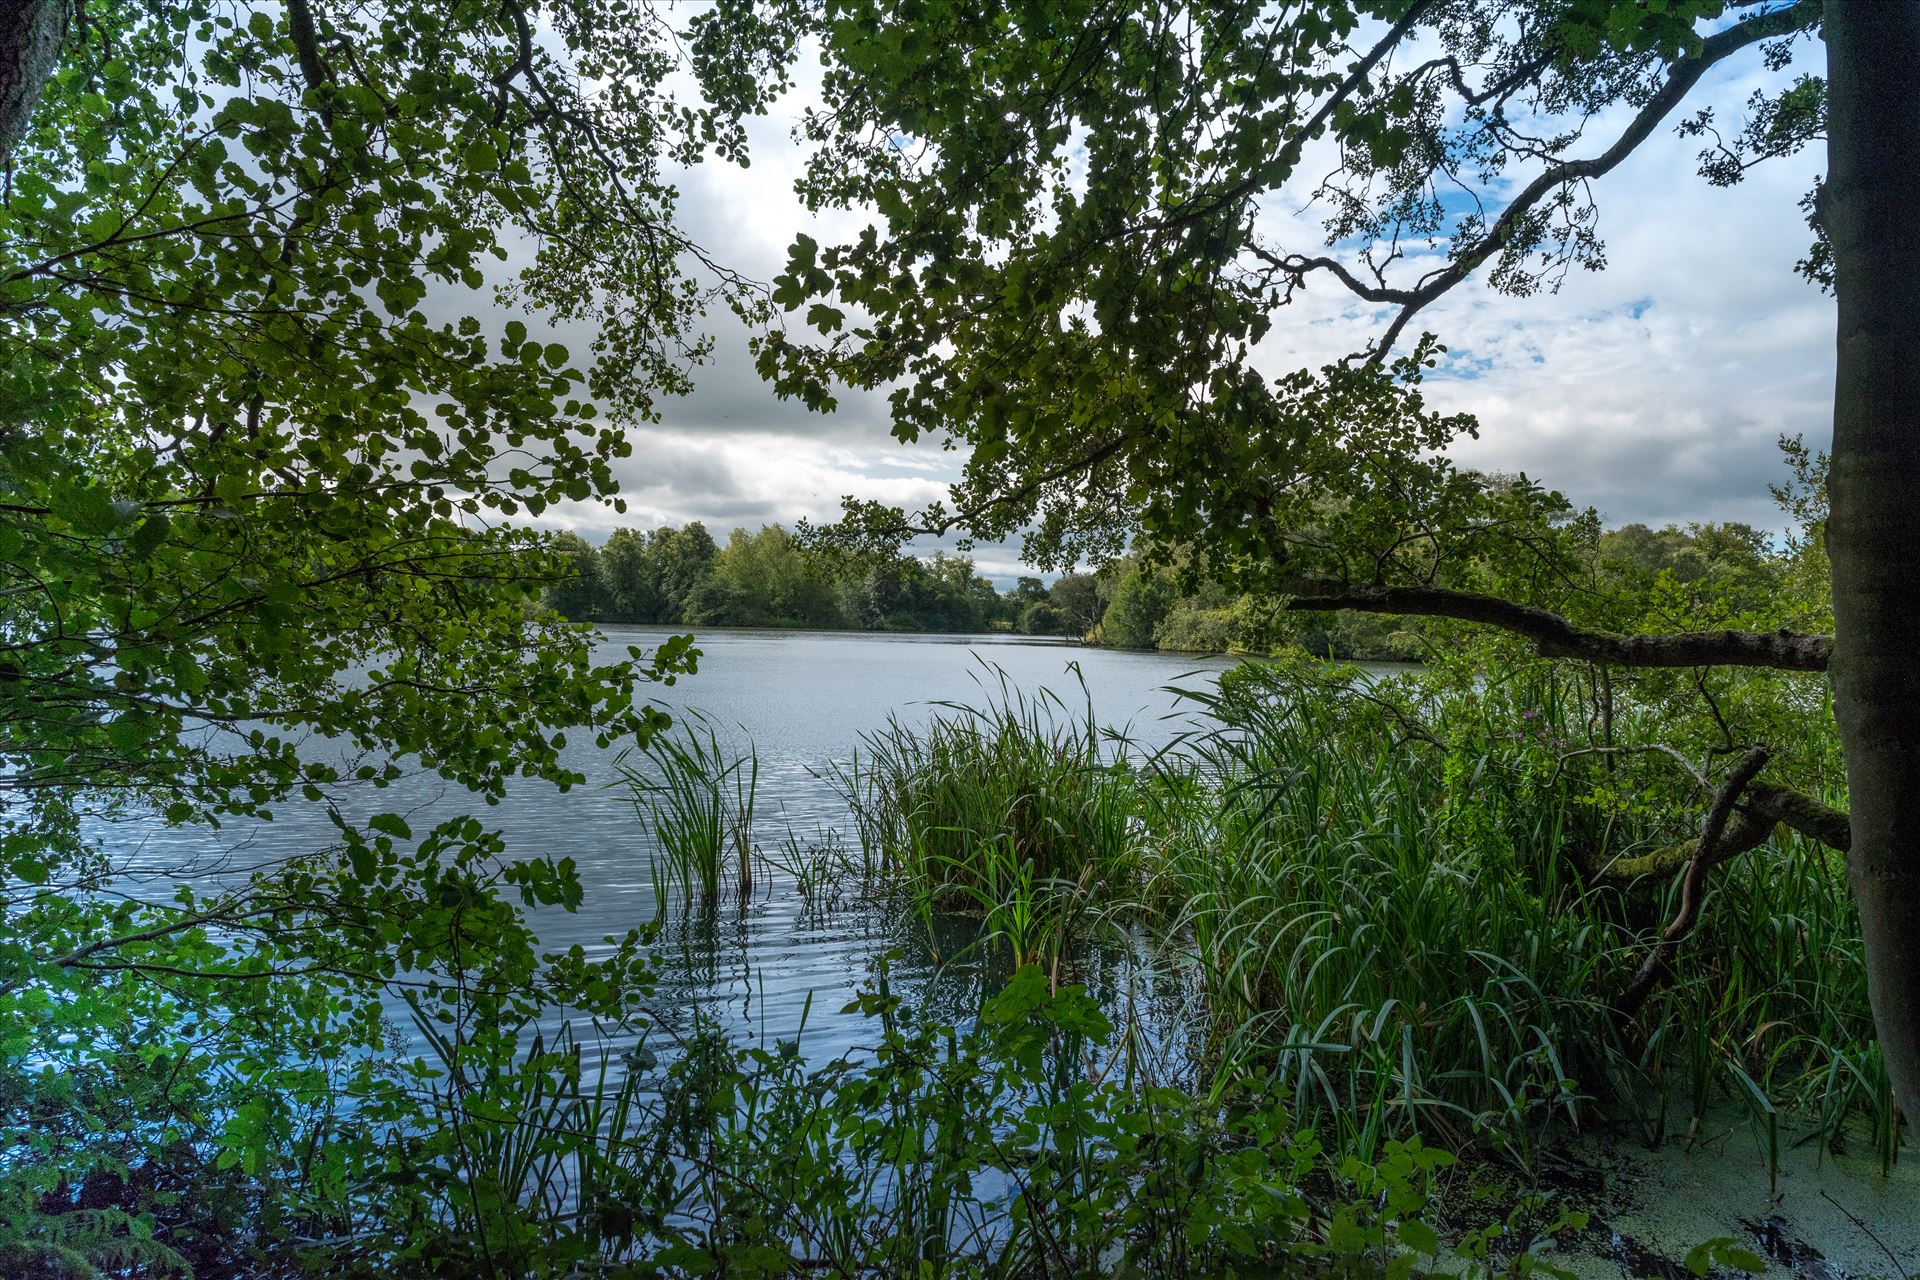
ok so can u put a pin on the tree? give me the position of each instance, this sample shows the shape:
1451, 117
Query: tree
1041, 619
580, 587
1077, 597
1141, 602
686, 557
1866, 209
1072, 280
630, 577
253, 506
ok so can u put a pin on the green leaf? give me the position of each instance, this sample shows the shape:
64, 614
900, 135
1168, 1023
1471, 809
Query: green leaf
1420, 1237
391, 824
152, 532
481, 157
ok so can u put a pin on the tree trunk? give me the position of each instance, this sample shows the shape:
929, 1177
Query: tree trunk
31, 32
1870, 209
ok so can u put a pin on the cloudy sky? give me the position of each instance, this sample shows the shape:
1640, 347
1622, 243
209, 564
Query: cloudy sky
1653, 390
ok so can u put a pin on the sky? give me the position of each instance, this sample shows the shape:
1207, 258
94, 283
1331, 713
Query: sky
1653, 390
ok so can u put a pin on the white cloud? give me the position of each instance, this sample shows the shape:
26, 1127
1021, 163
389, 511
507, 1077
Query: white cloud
1652, 390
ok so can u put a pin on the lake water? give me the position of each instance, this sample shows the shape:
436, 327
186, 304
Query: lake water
803, 700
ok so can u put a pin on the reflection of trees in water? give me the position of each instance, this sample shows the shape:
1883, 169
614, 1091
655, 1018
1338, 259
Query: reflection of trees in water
704, 946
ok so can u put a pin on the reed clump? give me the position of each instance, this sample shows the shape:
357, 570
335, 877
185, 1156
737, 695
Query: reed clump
986, 802
1398, 904
698, 797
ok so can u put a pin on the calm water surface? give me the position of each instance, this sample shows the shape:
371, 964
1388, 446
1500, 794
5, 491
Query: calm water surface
803, 700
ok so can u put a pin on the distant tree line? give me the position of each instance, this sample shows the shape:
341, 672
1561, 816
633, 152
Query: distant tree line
681, 576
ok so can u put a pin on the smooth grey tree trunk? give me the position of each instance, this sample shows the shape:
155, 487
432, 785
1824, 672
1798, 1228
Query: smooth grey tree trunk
31, 32
1870, 208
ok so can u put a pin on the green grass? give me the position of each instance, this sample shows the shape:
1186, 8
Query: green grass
1431, 919
1403, 932
1011, 811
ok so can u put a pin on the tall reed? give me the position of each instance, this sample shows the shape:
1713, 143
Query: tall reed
1397, 903
1011, 811
698, 798
1419, 933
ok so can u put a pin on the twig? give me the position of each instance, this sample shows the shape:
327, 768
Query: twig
1898, 1267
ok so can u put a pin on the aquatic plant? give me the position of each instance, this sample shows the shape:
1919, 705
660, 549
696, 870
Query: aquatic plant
1015, 811
697, 796
1007, 1147
1413, 902
1412, 912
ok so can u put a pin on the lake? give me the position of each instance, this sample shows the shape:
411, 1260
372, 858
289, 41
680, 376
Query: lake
802, 700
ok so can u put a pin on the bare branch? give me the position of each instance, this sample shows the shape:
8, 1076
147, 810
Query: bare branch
1713, 849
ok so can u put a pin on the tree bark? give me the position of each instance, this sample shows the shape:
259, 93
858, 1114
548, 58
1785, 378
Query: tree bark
31, 32
1870, 210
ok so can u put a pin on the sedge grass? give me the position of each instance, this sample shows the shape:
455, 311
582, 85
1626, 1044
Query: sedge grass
1406, 937
698, 797
1010, 811
1409, 937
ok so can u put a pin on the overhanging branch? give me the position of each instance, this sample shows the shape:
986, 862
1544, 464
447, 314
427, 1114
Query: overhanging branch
1555, 637
1681, 78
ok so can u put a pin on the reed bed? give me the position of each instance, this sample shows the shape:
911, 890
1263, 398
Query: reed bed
1402, 932
1407, 937
1419, 938
1014, 811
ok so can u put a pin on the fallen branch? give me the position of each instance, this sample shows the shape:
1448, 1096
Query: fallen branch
1712, 849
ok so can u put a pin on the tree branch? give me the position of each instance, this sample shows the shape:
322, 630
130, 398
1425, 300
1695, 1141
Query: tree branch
306, 44
1681, 79
1800, 812
1713, 848
1685, 74
1753, 822
1555, 637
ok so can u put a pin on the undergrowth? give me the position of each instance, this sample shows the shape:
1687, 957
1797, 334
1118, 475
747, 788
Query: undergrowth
1399, 901
1013, 1144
